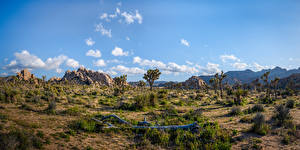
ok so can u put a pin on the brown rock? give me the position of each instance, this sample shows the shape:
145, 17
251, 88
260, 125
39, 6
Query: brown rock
84, 76
194, 82
26, 76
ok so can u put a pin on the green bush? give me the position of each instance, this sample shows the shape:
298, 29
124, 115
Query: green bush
235, 111
260, 127
282, 114
257, 108
290, 104
74, 111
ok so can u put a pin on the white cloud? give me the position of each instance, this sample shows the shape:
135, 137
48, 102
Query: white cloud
127, 70
100, 63
169, 68
4, 74
127, 38
119, 3
72, 63
117, 51
131, 17
240, 65
189, 63
94, 53
185, 42
89, 42
26, 60
103, 31
258, 67
104, 16
224, 58
114, 61
210, 69
111, 72
137, 59
55, 62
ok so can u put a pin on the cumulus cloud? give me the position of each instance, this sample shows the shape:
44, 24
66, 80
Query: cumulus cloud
89, 42
72, 63
224, 58
258, 67
210, 69
105, 32
128, 70
24, 59
131, 17
189, 63
239, 65
137, 59
185, 42
55, 62
94, 53
114, 61
117, 51
169, 68
99, 63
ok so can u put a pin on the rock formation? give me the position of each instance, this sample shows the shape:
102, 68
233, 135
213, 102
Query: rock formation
25, 75
84, 76
194, 82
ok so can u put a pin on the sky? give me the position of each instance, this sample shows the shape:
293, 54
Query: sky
181, 38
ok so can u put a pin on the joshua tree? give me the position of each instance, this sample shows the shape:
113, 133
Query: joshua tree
255, 83
274, 84
218, 80
265, 78
151, 76
141, 84
44, 78
121, 82
214, 83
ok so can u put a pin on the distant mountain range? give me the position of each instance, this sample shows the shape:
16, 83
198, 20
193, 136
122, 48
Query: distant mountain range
248, 75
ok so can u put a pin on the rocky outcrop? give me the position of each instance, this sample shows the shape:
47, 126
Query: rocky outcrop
194, 82
25, 75
84, 76
292, 81
54, 79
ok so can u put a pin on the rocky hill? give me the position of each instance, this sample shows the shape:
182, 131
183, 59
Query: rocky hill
248, 76
194, 82
292, 81
84, 76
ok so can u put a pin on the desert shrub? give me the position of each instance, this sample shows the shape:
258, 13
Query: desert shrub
290, 103
20, 139
235, 111
74, 111
267, 100
51, 107
257, 108
260, 127
25, 106
162, 93
209, 136
143, 101
282, 114
84, 125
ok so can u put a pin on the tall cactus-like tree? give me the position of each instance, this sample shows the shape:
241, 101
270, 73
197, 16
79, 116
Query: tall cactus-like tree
265, 78
220, 79
214, 83
141, 84
274, 84
151, 76
120, 82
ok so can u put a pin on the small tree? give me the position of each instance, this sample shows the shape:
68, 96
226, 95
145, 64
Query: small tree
265, 78
44, 78
141, 84
151, 76
121, 83
214, 83
220, 79
274, 84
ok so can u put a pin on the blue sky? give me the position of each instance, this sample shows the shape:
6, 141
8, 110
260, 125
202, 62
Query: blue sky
181, 38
